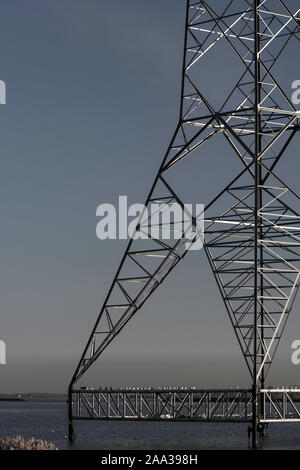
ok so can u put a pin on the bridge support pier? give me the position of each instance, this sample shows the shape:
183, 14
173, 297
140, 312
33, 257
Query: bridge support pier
71, 434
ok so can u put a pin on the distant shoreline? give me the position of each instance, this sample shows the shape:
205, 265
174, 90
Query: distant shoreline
21, 397
11, 399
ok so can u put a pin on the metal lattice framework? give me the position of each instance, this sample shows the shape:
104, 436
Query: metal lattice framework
252, 237
184, 404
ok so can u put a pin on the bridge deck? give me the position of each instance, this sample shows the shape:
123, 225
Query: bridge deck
185, 404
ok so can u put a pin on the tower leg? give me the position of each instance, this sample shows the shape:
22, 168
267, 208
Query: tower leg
255, 428
71, 434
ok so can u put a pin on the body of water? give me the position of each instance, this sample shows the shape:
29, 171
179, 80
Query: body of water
47, 419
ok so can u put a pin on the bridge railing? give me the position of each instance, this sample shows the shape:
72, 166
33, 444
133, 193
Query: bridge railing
185, 404
180, 404
280, 405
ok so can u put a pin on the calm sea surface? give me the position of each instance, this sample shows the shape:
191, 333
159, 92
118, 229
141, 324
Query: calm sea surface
46, 419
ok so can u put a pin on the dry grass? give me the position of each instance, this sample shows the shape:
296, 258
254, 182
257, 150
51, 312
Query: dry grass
19, 443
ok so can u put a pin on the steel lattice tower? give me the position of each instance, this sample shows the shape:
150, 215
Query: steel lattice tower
251, 227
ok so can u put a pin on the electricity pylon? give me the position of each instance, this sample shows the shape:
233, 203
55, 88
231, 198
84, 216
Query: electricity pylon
251, 227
